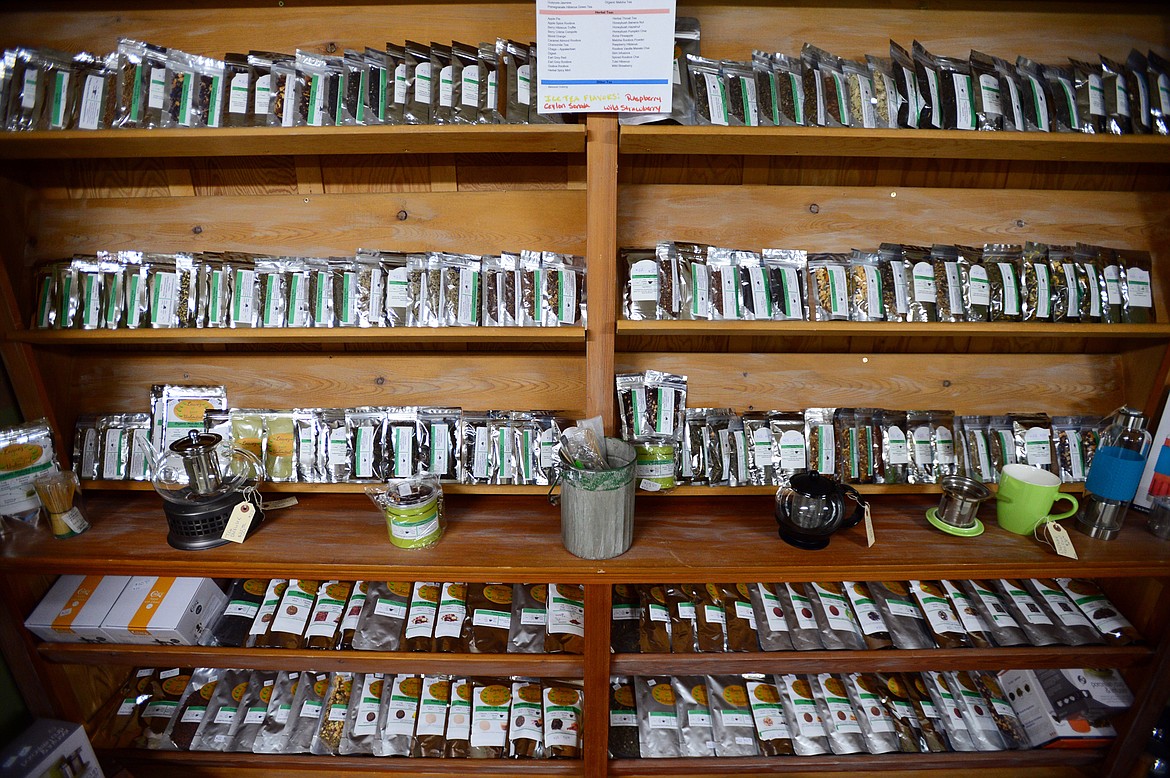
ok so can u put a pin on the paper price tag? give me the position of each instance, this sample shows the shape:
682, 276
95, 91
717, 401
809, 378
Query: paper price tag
1058, 539
239, 522
869, 539
649, 486
276, 505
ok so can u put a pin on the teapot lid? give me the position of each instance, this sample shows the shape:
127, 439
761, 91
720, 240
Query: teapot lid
812, 484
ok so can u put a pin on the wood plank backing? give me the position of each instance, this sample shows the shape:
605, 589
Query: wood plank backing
840, 219
477, 222
1043, 31
322, 27
481, 381
964, 383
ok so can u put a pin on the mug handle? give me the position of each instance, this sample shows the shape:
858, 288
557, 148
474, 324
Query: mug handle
1058, 516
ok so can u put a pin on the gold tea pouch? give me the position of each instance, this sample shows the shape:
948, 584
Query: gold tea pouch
741, 619
361, 719
655, 620
322, 631
566, 619
526, 721
691, 706
563, 709
431, 726
327, 739
1109, 621
526, 635
397, 715
248, 431
489, 609
711, 620
491, 700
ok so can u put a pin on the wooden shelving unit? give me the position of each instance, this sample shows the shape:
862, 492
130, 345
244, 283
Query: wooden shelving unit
587, 189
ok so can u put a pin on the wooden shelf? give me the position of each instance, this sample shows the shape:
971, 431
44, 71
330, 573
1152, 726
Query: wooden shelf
326, 336
726, 538
270, 141
892, 660
1040, 331
224, 764
871, 489
354, 488
954, 763
545, 665
897, 144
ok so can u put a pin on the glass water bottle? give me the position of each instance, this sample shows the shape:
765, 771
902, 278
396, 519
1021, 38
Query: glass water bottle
1114, 475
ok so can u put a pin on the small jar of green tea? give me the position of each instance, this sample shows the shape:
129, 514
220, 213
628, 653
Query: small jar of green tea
413, 508
654, 470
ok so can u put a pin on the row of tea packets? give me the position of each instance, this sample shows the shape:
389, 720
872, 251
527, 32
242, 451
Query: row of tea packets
135, 289
918, 89
840, 713
339, 445
718, 447
897, 283
147, 86
345, 713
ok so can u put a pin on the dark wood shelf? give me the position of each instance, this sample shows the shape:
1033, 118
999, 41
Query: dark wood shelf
141, 762
898, 144
865, 764
518, 539
544, 665
892, 660
349, 337
1036, 333
270, 141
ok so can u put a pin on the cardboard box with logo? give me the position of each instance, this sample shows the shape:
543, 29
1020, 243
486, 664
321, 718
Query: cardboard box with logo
1066, 708
165, 611
74, 608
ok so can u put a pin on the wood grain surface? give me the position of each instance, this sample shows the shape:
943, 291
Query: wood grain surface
473, 381
692, 539
1063, 384
317, 225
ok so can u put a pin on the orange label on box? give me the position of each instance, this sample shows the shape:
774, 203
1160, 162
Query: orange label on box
77, 601
154, 598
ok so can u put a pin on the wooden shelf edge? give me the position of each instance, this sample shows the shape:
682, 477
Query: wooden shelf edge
544, 665
270, 141
866, 763
916, 144
808, 329
499, 490
268, 764
892, 660
304, 335
871, 489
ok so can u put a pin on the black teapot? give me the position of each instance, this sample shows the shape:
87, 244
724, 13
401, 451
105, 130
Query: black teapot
812, 507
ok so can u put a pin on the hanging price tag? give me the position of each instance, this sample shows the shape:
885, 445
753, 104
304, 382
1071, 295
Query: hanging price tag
1052, 534
239, 522
276, 505
869, 539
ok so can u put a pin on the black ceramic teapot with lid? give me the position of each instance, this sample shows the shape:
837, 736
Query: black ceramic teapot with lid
812, 507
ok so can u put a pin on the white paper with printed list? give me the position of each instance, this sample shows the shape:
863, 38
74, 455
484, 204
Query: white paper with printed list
605, 55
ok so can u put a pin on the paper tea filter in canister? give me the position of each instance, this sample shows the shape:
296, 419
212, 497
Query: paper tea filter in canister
413, 509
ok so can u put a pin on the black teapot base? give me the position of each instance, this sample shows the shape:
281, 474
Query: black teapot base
803, 541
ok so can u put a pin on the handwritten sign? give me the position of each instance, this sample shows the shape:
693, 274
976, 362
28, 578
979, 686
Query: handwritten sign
605, 55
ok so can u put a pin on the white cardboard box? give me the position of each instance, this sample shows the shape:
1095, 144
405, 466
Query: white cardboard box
164, 611
74, 608
1037, 714
49, 748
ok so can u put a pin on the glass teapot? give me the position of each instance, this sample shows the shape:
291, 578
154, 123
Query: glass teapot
812, 506
202, 467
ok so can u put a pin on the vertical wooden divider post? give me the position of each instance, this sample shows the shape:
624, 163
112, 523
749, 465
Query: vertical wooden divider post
601, 151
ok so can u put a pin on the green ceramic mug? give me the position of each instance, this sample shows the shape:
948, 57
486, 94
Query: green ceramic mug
1026, 496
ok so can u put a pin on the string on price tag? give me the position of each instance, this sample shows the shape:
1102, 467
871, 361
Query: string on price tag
869, 539
1053, 535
